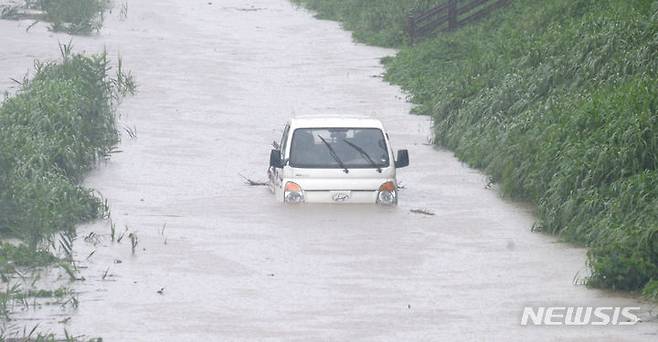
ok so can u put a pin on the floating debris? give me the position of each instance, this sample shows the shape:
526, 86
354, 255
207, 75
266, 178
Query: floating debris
422, 212
253, 182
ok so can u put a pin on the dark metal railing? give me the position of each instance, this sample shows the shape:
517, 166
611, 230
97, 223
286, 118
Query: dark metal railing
449, 16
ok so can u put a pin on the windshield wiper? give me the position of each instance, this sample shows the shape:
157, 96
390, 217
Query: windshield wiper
334, 155
364, 154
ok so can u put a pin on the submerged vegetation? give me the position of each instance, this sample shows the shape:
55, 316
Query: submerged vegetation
558, 102
58, 125
34, 336
71, 16
74, 16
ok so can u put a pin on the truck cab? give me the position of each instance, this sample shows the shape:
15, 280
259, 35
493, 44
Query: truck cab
335, 159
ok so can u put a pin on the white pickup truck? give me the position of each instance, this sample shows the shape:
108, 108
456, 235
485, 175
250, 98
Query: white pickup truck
335, 159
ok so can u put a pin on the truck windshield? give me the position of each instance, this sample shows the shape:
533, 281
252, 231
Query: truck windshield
355, 148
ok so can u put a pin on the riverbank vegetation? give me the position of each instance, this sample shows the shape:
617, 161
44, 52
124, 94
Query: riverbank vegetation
59, 124
558, 102
380, 23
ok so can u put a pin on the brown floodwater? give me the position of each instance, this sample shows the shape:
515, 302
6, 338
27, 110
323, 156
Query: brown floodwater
217, 80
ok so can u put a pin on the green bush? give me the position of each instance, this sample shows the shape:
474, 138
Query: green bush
52, 132
651, 290
558, 102
74, 16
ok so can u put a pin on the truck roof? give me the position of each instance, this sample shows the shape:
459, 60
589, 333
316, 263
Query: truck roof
322, 121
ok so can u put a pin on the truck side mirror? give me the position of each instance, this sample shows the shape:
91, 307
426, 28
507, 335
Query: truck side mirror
402, 159
275, 159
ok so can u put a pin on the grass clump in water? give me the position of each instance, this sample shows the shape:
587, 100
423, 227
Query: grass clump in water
52, 132
558, 102
12, 256
74, 16
70, 16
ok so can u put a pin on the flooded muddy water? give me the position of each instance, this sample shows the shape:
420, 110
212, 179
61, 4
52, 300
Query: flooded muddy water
217, 81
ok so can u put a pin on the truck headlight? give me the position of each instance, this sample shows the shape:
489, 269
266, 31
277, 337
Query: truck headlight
293, 193
387, 194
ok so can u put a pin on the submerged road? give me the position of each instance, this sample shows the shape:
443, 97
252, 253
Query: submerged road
216, 83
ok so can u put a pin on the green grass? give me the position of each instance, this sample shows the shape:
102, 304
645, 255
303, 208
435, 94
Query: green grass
34, 335
558, 102
70, 16
13, 256
381, 22
75, 16
52, 132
